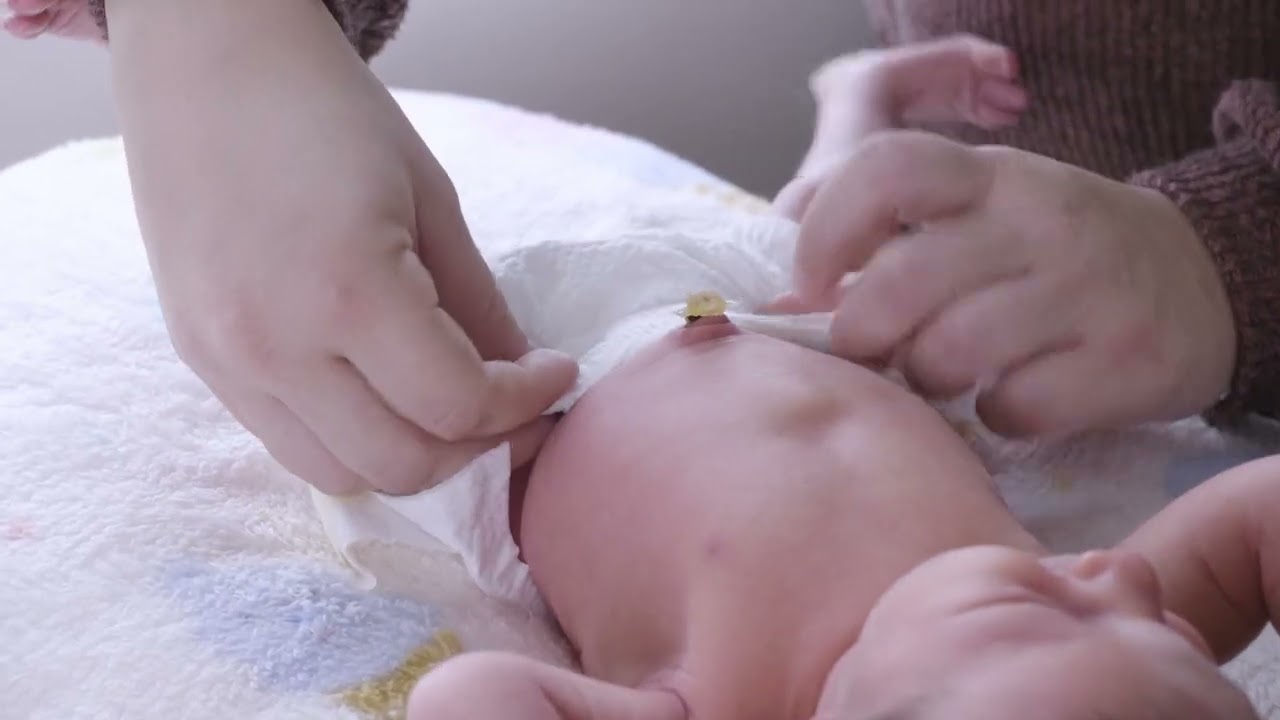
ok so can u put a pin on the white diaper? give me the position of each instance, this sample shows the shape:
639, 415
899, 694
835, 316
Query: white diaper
599, 300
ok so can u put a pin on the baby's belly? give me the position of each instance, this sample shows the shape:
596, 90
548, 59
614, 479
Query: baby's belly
716, 485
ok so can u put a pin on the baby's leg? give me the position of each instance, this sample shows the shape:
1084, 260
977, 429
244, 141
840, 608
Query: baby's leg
955, 79
66, 18
511, 687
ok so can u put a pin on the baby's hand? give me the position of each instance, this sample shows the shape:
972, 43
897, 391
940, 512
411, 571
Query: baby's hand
956, 79
66, 18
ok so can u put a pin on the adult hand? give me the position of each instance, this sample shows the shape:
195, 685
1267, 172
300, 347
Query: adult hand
1084, 302
310, 253
961, 78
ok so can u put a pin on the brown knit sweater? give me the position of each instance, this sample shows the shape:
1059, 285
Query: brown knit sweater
368, 24
1175, 95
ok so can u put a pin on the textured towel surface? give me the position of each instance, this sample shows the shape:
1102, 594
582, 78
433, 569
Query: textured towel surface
155, 564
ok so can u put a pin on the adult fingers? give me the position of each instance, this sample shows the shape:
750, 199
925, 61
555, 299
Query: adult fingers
388, 452
464, 284
1053, 394
997, 328
893, 179
527, 440
1073, 389
362, 431
793, 200
792, 304
288, 439
524, 389
424, 366
912, 279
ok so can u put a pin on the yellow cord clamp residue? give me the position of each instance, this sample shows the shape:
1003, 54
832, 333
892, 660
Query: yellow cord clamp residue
707, 303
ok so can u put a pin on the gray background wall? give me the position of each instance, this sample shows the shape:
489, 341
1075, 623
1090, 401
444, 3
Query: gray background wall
721, 82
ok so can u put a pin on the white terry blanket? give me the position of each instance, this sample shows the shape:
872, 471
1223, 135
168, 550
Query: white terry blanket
154, 563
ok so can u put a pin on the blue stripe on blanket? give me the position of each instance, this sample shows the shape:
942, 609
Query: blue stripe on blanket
296, 624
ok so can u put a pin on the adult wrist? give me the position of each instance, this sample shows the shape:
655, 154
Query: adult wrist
367, 25
136, 20
177, 46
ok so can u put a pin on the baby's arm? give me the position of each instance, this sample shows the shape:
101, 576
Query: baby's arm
1217, 551
511, 687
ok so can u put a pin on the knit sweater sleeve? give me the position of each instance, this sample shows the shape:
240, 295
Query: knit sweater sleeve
1231, 195
368, 24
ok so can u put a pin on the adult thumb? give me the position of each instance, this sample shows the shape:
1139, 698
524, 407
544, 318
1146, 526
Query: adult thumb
894, 180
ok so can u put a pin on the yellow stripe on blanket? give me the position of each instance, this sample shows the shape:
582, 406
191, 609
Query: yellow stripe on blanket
385, 697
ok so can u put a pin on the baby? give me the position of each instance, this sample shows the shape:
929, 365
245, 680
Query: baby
730, 526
